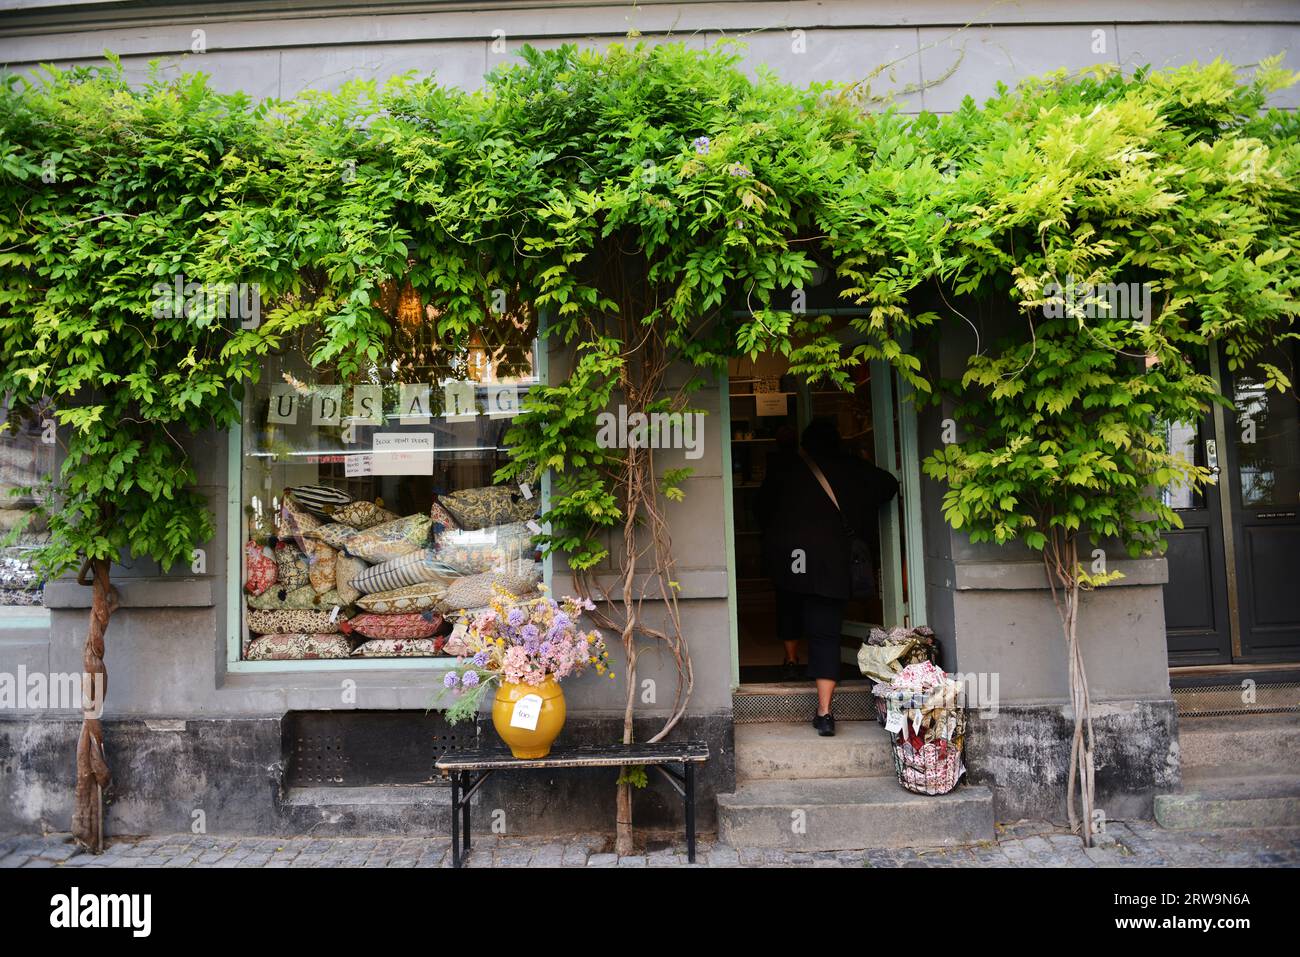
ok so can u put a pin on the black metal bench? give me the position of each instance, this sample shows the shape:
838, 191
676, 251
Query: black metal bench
469, 769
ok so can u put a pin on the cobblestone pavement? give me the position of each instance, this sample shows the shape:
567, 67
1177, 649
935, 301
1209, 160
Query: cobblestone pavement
1025, 844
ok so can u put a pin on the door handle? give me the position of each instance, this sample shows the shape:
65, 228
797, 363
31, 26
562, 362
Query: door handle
1212, 459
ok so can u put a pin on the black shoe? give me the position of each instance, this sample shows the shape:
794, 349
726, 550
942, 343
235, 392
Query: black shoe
790, 671
825, 725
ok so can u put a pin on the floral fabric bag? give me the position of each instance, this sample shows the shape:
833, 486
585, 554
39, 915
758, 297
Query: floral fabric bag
489, 505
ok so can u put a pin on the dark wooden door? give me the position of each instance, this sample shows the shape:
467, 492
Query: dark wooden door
1263, 454
1197, 621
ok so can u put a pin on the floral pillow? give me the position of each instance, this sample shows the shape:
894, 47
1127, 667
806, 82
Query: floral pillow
346, 570
390, 540
424, 624
425, 597
293, 647
295, 522
260, 570
302, 597
289, 621
320, 566
489, 505
441, 519
333, 534
474, 591
290, 566
421, 566
399, 648
361, 515
485, 549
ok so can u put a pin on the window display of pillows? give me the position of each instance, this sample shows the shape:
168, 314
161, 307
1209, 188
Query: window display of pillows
259, 568
320, 499
302, 597
489, 505
424, 597
399, 648
320, 566
333, 534
425, 565
291, 621
290, 566
292, 647
382, 543
346, 569
473, 591
424, 624
471, 552
361, 515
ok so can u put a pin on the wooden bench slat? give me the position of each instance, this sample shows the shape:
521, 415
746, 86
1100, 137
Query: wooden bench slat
582, 756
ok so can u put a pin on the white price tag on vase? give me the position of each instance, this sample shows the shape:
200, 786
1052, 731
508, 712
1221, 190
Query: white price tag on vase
527, 710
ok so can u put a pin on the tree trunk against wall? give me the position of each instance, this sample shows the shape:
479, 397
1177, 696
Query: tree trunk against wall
92, 767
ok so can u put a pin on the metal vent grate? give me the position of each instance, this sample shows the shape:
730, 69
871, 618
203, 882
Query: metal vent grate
790, 705
320, 759
1220, 700
365, 748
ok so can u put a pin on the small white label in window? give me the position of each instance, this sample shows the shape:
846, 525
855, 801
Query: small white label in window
403, 453
360, 464
527, 710
334, 614
526, 490
534, 527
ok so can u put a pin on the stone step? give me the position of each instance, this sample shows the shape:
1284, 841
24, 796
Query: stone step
416, 810
1264, 743
843, 814
796, 752
1209, 801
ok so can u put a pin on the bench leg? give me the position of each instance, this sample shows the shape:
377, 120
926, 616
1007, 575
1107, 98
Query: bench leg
465, 821
455, 819
689, 773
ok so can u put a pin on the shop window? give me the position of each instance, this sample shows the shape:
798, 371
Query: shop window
371, 525
26, 459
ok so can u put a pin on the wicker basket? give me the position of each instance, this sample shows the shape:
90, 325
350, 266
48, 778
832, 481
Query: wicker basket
934, 769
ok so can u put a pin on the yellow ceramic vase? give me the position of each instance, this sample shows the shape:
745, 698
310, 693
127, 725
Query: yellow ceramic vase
516, 708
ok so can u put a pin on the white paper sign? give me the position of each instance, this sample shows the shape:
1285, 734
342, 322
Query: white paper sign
284, 404
368, 404
527, 710
414, 409
458, 401
327, 405
502, 401
894, 721
403, 453
360, 465
770, 403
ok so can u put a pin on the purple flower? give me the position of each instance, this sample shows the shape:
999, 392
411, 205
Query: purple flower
480, 659
738, 170
701, 144
450, 680
530, 633
515, 618
470, 679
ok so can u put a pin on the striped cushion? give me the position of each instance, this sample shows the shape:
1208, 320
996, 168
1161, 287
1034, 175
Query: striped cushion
413, 569
320, 499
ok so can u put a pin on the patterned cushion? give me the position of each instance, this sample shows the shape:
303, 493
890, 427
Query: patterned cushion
288, 647
441, 519
320, 499
424, 624
333, 534
290, 621
391, 540
259, 568
302, 597
362, 515
290, 566
473, 591
425, 597
320, 566
489, 505
424, 565
294, 522
346, 569
498, 547
399, 648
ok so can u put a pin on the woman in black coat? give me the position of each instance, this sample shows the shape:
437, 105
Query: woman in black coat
806, 547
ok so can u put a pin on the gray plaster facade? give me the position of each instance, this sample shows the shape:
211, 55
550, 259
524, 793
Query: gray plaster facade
187, 732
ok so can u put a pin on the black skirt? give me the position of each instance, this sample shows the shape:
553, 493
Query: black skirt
817, 619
